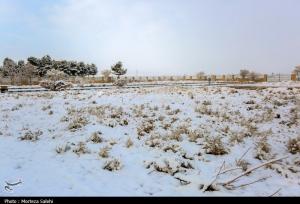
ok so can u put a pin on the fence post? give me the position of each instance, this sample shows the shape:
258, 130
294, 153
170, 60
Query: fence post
266, 78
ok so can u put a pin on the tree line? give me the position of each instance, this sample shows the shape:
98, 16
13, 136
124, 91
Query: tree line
40, 66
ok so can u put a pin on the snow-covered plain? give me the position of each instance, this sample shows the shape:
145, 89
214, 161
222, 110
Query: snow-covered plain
160, 141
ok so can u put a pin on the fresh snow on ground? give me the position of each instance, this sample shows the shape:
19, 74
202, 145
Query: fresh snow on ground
170, 129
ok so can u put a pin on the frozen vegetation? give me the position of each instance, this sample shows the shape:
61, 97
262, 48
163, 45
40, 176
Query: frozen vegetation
167, 141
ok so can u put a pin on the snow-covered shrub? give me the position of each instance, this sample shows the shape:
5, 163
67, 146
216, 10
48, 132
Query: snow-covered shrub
294, 145
173, 148
62, 149
96, 137
113, 165
206, 103
215, 146
104, 152
236, 137
77, 123
81, 149
243, 164
129, 143
263, 149
251, 102
194, 135
146, 127
55, 81
169, 166
56, 85
31, 136
120, 83
203, 109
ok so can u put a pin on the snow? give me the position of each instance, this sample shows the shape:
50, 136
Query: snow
44, 172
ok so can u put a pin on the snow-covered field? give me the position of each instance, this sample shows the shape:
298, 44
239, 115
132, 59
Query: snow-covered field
167, 141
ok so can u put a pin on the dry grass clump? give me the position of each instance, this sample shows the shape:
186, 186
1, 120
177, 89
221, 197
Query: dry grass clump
146, 128
203, 109
44, 108
129, 143
215, 146
104, 152
194, 135
17, 107
236, 137
263, 149
252, 129
96, 137
174, 148
81, 149
77, 123
294, 145
178, 132
164, 167
62, 149
113, 165
31, 136
206, 103
251, 102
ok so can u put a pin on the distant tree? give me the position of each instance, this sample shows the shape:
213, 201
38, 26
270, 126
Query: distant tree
244, 73
55, 75
29, 72
253, 75
200, 75
106, 73
10, 69
118, 70
297, 70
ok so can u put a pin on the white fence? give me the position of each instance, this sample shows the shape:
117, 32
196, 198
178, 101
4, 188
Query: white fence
279, 77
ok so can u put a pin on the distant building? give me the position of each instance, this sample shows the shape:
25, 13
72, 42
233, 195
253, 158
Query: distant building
297, 72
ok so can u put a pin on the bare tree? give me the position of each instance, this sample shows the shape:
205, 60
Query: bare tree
106, 73
244, 73
29, 71
200, 75
10, 69
297, 70
253, 76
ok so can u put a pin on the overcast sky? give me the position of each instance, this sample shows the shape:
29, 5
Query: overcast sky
156, 36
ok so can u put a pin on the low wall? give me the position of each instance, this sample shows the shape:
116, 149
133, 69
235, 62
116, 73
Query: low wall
101, 79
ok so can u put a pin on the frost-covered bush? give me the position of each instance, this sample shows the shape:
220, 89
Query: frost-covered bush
120, 82
96, 137
81, 149
215, 146
77, 123
113, 165
31, 136
129, 143
146, 128
55, 81
62, 149
294, 145
263, 149
104, 152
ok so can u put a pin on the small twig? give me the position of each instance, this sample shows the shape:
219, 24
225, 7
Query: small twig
151, 171
247, 184
232, 169
275, 192
7, 188
252, 169
216, 177
183, 182
13, 184
240, 159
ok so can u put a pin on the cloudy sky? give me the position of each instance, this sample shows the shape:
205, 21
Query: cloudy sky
156, 36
